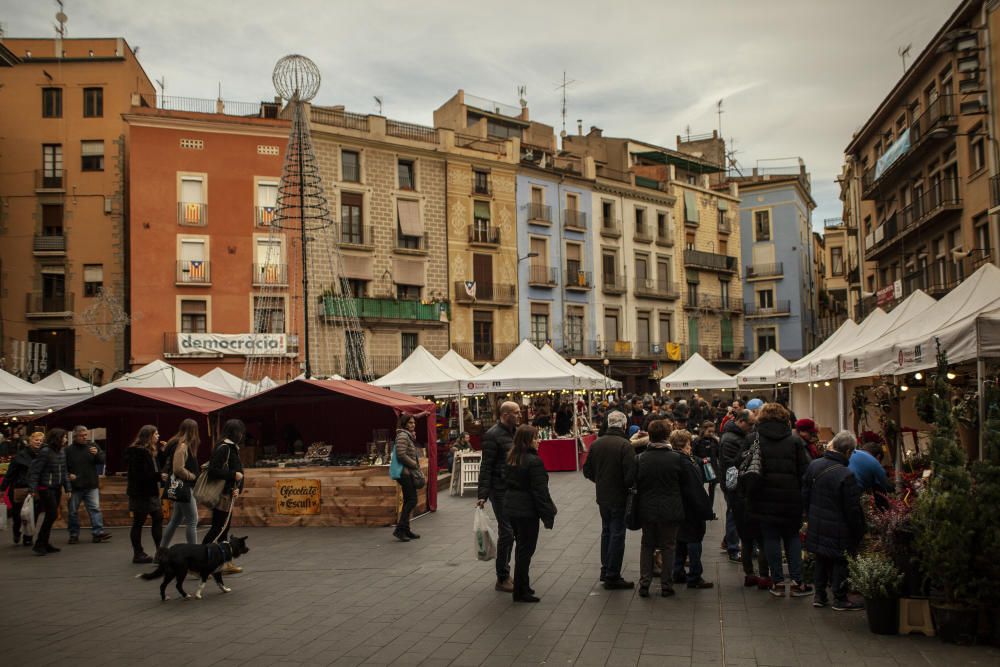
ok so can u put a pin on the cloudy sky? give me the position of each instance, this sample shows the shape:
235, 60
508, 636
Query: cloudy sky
797, 76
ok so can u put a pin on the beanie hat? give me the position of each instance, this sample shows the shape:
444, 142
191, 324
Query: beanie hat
807, 425
755, 404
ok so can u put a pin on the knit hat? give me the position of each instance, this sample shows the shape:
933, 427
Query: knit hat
755, 404
807, 425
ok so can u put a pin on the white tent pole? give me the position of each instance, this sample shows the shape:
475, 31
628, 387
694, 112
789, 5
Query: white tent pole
980, 373
812, 403
841, 418
461, 416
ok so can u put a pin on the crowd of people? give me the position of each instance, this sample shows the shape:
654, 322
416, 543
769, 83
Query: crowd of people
48, 464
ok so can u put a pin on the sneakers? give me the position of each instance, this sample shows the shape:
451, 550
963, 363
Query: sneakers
27, 540
750, 581
39, 550
526, 598
734, 557
800, 590
505, 586
400, 535
764, 583
700, 583
231, 568
618, 584
142, 559
74, 539
847, 605
413, 536
101, 537
777, 590
819, 602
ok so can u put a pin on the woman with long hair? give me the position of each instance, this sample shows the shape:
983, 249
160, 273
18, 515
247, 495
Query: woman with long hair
406, 454
181, 455
526, 503
15, 483
143, 490
47, 478
225, 464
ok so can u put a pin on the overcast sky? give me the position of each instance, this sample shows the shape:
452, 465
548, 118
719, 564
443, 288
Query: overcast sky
797, 76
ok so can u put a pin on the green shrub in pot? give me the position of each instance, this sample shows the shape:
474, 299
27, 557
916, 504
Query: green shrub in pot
874, 575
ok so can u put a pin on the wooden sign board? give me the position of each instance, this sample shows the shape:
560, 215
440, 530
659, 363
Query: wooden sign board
297, 496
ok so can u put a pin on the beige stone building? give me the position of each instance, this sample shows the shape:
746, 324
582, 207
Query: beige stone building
833, 266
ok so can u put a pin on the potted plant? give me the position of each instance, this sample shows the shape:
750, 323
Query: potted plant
874, 576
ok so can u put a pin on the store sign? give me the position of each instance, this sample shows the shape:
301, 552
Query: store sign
247, 344
482, 387
911, 355
296, 497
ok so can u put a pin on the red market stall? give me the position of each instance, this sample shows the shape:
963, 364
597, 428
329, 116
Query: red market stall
561, 454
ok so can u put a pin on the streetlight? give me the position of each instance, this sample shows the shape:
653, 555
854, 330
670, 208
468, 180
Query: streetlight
528, 256
607, 367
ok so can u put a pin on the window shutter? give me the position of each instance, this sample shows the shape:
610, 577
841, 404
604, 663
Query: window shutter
89, 148
482, 210
192, 191
93, 274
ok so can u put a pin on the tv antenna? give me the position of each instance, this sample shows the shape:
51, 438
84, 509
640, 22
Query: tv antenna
565, 84
719, 111
378, 103
904, 52
162, 83
61, 19
522, 95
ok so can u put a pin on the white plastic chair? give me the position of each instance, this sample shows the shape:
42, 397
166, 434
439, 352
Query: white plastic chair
469, 471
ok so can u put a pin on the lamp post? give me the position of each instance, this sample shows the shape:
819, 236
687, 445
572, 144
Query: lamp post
607, 369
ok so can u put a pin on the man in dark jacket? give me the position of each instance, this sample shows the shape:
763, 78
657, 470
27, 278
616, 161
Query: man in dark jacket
611, 466
777, 502
493, 485
733, 441
638, 414
660, 477
832, 499
697, 510
82, 459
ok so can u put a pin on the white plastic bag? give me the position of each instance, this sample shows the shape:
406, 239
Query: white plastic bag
485, 531
28, 517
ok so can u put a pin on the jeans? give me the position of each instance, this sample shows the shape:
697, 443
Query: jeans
219, 529
774, 536
525, 533
732, 536
662, 536
48, 502
831, 571
748, 556
92, 501
186, 513
505, 540
155, 525
612, 541
691, 552
409, 503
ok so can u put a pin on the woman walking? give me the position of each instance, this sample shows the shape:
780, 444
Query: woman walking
706, 448
406, 456
15, 483
47, 478
143, 490
181, 455
226, 464
527, 502
659, 480
696, 511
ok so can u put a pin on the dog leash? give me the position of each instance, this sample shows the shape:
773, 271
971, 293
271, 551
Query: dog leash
226, 524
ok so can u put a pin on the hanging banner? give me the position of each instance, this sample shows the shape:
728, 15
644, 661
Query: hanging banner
246, 344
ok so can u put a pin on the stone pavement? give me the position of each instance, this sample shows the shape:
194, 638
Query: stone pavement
354, 596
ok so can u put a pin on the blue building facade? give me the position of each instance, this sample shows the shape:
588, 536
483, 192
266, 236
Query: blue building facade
779, 290
555, 227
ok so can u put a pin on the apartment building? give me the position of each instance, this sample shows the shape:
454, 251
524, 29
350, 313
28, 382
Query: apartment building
386, 181
775, 220
834, 266
212, 282
555, 244
482, 140
63, 218
917, 179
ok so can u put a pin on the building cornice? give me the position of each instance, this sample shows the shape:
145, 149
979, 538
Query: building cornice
208, 125
642, 195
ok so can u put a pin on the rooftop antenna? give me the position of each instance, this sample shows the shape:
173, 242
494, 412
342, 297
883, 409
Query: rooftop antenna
687, 133
378, 103
61, 18
522, 94
719, 111
162, 83
904, 52
565, 84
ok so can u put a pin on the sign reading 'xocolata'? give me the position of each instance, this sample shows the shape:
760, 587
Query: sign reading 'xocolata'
246, 344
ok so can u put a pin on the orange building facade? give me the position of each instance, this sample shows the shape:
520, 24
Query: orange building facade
212, 282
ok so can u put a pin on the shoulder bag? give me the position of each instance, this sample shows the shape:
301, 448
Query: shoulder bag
208, 491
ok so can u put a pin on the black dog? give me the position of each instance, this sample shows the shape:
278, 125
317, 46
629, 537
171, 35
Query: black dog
204, 559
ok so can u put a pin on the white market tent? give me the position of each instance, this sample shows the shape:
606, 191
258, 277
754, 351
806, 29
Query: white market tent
902, 317
159, 374
605, 381
230, 384
764, 371
487, 366
61, 381
459, 365
524, 369
20, 397
266, 383
798, 371
697, 373
422, 374
584, 380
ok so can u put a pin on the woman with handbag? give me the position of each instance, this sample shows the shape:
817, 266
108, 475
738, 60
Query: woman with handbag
182, 465
410, 478
15, 483
226, 466
143, 490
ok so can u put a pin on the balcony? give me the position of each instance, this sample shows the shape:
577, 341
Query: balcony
264, 216
710, 261
613, 283
412, 245
643, 234
619, 349
191, 214
651, 288
39, 304
483, 351
577, 280
665, 237
411, 131
50, 180
611, 228
383, 309
339, 118
725, 226
47, 244
539, 214
713, 302
763, 271
780, 308
360, 237
193, 272
542, 276
575, 220
488, 293
942, 198
484, 235
270, 274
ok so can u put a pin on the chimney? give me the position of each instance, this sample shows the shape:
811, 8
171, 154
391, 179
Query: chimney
579, 126
595, 132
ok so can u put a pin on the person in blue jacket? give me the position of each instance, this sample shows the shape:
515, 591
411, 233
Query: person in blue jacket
866, 464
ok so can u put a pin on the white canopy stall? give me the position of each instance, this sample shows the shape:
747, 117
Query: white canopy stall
800, 390
159, 374
19, 397
763, 372
229, 384
61, 381
459, 365
524, 369
422, 374
696, 373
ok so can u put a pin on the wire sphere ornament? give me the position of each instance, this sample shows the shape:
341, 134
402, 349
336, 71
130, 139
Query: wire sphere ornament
296, 76
106, 319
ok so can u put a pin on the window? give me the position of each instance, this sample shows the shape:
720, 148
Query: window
52, 166
51, 102
689, 242
574, 331
409, 228
983, 237
482, 335
665, 328
93, 279
767, 339
609, 268
723, 219
92, 156
53, 289
354, 353
481, 182
642, 333
765, 299
407, 176
408, 342
192, 264
355, 287
537, 196
608, 214
662, 227
267, 203
640, 222
194, 316
539, 324
52, 219
837, 261
269, 314
481, 222
351, 221
762, 225
610, 328
408, 292
724, 293
692, 294
572, 202
641, 271
350, 166
977, 150
269, 262
93, 102
573, 262
663, 273
539, 263
192, 204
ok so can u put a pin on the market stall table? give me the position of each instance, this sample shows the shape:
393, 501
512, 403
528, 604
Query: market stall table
561, 454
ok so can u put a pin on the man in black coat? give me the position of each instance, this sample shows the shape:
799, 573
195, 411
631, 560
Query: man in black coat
493, 485
733, 441
697, 510
611, 466
82, 459
832, 499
